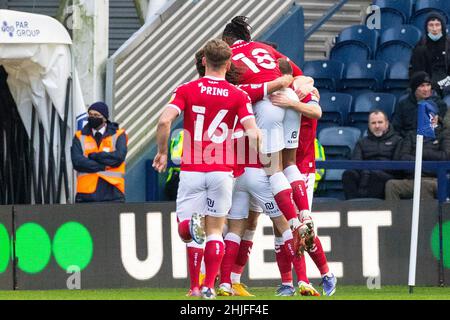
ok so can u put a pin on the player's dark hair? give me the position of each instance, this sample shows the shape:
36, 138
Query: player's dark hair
285, 66
238, 29
232, 75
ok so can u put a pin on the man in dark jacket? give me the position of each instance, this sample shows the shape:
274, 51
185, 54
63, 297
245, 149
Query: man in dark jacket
381, 144
405, 116
433, 150
98, 154
431, 54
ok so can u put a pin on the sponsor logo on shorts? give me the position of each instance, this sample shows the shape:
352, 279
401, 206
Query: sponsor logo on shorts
210, 203
269, 206
294, 135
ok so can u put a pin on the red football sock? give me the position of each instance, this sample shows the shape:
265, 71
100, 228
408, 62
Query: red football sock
214, 251
284, 264
184, 231
242, 258
231, 252
318, 256
194, 256
300, 196
298, 187
283, 195
300, 269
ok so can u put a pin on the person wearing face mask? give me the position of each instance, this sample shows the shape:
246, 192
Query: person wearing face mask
432, 53
404, 119
381, 143
98, 155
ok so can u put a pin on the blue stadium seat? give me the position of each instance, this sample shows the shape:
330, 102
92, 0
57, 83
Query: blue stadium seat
331, 184
405, 33
326, 73
404, 8
369, 74
356, 43
398, 77
367, 102
394, 12
335, 109
394, 52
359, 33
423, 9
339, 142
348, 52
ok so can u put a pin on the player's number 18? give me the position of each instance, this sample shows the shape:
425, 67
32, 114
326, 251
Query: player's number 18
262, 57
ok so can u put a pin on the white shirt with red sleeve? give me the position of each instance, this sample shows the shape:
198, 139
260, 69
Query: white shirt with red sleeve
210, 106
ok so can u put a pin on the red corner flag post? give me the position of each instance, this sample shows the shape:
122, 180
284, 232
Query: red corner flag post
425, 128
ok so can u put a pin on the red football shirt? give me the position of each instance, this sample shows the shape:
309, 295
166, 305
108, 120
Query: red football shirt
210, 108
306, 156
258, 62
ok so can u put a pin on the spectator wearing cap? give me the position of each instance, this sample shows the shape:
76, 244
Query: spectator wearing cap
404, 120
98, 155
431, 54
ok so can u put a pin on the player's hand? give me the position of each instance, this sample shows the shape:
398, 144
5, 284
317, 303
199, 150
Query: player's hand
300, 94
281, 100
255, 139
286, 80
160, 162
315, 95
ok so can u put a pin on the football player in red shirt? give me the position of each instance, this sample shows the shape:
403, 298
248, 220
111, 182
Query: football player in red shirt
210, 105
307, 166
258, 62
252, 192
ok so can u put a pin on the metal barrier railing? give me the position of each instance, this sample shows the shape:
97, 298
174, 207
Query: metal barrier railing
316, 26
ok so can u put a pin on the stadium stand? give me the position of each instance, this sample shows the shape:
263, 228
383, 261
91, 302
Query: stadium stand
368, 102
338, 143
160, 57
326, 73
368, 74
394, 13
424, 7
335, 109
356, 43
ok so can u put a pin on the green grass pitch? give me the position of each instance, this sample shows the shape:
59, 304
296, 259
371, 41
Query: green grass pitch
342, 293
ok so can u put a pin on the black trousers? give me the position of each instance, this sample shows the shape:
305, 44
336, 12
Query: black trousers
365, 183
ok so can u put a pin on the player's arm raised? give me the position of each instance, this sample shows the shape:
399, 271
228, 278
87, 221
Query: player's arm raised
162, 137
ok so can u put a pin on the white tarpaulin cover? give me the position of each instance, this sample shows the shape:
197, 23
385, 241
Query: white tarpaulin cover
35, 52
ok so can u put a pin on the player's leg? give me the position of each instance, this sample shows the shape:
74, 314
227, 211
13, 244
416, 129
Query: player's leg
191, 198
219, 194
236, 227
245, 248
270, 120
316, 251
195, 258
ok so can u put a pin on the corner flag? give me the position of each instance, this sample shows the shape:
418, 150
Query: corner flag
427, 110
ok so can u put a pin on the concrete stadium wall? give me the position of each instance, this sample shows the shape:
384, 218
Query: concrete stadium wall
137, 245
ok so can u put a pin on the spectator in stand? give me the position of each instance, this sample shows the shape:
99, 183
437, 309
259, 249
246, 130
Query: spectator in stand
437, 149
432, 53
381, 143
405, 116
